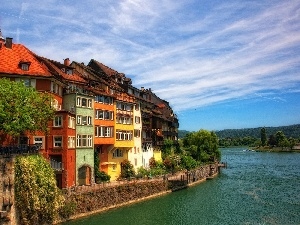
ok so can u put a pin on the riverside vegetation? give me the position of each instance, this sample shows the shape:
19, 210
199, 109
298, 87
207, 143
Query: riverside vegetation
39, 201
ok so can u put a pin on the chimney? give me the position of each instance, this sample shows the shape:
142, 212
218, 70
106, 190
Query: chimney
142, 89
8, 42
67, 62
2, 40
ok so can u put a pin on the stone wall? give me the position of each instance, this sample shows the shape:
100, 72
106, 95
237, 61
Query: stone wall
100, 197
7, 175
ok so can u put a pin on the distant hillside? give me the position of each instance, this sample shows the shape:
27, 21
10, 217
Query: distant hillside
289, 131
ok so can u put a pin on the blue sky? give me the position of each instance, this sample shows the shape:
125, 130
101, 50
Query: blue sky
220, 64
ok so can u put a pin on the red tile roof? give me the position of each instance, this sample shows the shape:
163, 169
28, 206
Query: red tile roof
59, 69
10, 59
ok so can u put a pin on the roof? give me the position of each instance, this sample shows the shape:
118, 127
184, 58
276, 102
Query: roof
107, 70
10, 59
58, 68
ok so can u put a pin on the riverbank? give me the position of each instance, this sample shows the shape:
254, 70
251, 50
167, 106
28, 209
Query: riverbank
275, 149
100, 198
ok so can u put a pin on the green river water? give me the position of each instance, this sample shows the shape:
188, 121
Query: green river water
255, 188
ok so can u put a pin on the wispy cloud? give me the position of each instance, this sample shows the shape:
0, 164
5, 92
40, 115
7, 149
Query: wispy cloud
190, 53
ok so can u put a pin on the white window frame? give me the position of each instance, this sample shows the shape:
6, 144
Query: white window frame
58, 121
137, 119
71, 122
84, 140
71, 141
57, 141
41, 142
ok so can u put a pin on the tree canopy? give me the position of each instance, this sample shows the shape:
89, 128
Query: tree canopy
202, 145
23, 109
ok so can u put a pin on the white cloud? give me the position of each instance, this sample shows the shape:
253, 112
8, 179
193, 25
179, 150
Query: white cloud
190, 53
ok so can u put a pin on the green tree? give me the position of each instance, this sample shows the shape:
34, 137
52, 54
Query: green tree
188, 163
38, 199
127, 169
23, 109
203, 145
167, 148
99, 175
281, 139
292, 142
263, 136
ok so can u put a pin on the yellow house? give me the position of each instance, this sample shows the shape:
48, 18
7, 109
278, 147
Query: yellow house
123, 134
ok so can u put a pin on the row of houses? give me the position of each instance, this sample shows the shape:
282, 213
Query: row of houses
98, 111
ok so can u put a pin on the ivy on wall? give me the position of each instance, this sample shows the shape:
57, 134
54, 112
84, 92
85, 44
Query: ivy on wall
37, 197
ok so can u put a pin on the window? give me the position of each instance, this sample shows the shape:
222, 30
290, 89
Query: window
124, 119
84, 140
24, 66
57, 121
39, 141
71, 122
69, 71
78, 102
89, 103
117, 153
84, 120
103, 131
104, 115
137, 119
137, 133
71, 142
137, 106
57, 141
84, 102
124, 135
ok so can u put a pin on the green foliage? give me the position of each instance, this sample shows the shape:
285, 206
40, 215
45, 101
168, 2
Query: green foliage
23, 109
37, 197
263, 136
289, 131
167, 148
127, 169
202, 146
188, 162
100, 176
67, 210
152, 162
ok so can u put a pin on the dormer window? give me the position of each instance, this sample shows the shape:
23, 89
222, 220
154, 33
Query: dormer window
69, 71
24, 65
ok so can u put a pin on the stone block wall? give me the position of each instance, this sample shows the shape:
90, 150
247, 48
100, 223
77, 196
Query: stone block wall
7, 175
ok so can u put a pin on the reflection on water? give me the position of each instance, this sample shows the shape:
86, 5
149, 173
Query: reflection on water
256, 188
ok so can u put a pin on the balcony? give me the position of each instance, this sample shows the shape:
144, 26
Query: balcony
19, 149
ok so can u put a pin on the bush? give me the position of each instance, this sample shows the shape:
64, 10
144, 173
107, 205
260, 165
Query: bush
38, 199
101, 176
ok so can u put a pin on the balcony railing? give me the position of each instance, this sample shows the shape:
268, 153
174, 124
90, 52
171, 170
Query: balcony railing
19, 149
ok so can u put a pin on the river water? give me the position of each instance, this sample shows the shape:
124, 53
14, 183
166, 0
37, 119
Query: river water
255, 188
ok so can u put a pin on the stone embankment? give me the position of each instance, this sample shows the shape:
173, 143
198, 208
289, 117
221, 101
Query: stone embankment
93, 199
87, 200
7, 212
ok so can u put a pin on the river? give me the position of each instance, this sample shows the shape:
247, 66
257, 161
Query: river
255, 188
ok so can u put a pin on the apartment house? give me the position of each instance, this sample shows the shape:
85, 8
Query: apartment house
19, 64
98, 111
124, 128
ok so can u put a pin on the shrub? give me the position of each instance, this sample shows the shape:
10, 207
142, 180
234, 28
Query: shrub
38, 199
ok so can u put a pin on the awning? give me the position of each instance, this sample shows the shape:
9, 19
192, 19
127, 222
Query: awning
108, 163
